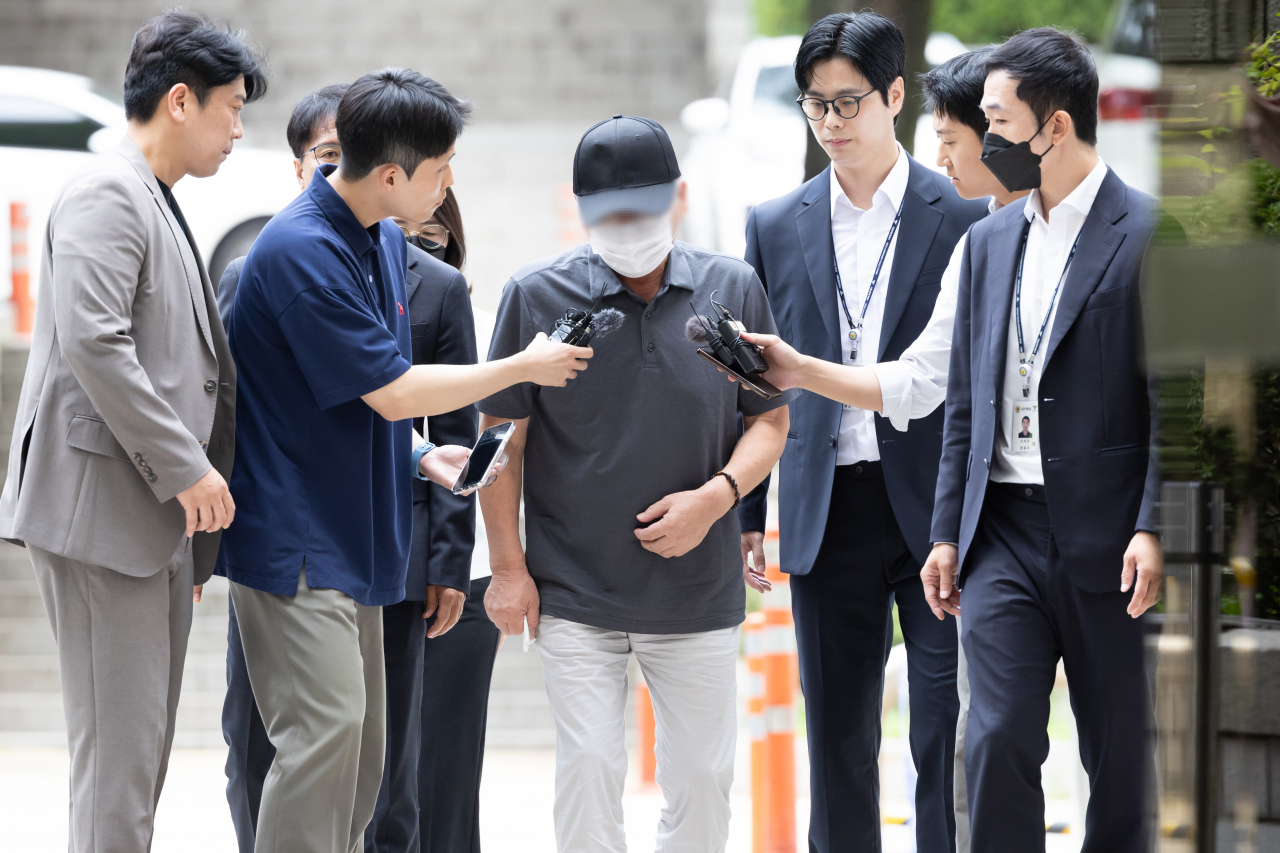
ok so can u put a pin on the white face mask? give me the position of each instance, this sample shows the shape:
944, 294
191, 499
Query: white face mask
635, 248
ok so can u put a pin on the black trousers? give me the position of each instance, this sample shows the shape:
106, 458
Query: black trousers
457, 669
249, 751
1021, 614
844, 628
394, 827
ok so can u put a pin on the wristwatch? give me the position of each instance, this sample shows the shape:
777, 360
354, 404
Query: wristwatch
418, 452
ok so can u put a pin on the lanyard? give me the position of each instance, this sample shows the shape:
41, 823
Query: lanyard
1025, 362
855, 329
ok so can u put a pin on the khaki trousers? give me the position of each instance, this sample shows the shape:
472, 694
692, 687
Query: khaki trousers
315, 664
122, 641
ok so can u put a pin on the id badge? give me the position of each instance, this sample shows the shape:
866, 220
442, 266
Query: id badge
1025, 435
855, 344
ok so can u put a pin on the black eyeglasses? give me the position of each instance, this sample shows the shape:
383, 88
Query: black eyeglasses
846, 106
330, 152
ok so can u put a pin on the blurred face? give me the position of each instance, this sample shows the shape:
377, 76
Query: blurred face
206, 132
960, 153
321, 148
863, 138
416, 199
679, 208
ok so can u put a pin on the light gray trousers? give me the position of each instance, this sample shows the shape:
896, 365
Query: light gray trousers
315, 664
692, 679
121, 645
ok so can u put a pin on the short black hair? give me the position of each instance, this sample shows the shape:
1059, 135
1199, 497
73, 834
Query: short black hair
398, 116
179, 46
872, 43
954, 89
1055, 71
311, 114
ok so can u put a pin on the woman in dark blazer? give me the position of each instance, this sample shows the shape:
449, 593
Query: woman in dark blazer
457, 666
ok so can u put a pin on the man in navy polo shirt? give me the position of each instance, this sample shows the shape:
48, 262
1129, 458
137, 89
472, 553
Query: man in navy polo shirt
320, 337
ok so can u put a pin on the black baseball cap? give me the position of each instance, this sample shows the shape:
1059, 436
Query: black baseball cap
624, 164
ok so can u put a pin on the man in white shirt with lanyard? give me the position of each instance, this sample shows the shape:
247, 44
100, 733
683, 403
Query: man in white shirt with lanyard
853, 262
1051, 536
915, 384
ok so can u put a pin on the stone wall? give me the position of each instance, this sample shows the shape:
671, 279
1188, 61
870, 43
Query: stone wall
518, 60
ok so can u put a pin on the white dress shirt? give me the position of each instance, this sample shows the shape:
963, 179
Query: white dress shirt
916, 384
859, 237
1048, 245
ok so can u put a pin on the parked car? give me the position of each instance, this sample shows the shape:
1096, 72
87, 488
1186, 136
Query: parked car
51, 122
747, 145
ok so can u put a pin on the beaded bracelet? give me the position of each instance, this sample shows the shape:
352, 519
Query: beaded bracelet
737, 496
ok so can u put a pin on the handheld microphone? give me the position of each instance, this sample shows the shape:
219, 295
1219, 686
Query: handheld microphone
577, 328
725, 347
724, 336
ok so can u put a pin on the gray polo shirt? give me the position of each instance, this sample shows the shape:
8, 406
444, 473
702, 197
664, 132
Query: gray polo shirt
647, 418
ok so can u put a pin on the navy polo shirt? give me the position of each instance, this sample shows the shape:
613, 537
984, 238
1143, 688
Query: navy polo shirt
320, 478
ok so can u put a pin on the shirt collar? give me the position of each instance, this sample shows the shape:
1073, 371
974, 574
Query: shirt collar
335, 209
1079, 199
892, 189
994, 205
676, 274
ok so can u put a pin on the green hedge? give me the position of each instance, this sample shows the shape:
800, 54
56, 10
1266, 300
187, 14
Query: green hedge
971, 21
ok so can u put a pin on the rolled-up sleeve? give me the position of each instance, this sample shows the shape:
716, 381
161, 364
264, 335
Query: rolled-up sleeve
916, 384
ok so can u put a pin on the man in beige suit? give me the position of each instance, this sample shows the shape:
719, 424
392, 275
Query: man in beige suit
125, 427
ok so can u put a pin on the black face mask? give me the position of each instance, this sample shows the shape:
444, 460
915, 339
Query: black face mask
1015, 166
435, 250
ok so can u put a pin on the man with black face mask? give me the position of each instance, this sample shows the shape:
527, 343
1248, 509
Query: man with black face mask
1048, 343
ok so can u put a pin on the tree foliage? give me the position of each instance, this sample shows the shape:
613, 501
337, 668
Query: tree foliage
989, 21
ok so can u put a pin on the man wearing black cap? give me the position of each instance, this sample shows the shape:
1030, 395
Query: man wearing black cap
628, 476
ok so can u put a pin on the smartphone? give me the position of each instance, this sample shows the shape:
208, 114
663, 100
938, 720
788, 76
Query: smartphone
484, 457
755, 383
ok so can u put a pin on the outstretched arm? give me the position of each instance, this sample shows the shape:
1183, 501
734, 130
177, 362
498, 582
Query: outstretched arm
431, 389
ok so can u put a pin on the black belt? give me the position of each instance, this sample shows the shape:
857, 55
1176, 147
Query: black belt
861, 471
1033, 492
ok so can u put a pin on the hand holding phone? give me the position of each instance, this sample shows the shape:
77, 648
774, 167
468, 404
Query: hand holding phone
486, 460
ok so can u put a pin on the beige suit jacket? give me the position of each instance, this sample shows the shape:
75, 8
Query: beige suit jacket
129, 394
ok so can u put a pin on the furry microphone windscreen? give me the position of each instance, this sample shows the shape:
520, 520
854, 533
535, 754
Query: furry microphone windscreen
607, 321
695, 331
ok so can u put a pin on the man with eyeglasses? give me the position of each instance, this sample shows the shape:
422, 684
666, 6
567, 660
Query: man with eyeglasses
853, 263
443, 332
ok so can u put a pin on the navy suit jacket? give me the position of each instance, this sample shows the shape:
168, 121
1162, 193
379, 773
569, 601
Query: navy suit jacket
443, 332
1097, 403
789, 244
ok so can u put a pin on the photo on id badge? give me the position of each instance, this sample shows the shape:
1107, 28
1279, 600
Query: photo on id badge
1026, 429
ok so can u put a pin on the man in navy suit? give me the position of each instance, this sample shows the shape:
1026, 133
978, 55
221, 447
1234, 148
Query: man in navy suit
853, 262
1049, 328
